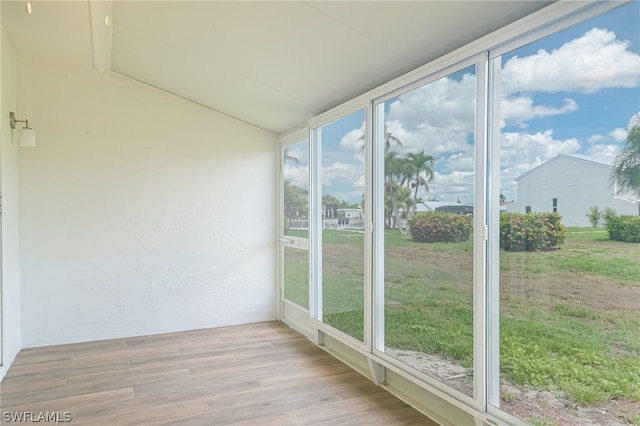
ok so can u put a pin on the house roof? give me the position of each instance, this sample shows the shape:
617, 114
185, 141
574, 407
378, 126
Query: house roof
273, 64
599, 160
428, 206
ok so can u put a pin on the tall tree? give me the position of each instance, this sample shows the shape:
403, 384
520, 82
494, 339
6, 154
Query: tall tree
389, 140
288, 158
331, 205
626, 166
296, 201
419, 166
394, 177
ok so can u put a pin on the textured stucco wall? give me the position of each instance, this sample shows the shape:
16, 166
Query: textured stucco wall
140, 212
10, 268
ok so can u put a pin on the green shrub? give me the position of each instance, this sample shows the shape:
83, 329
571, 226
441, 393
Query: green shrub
440, 227
608, 214
624, 228
594, 215
530, 231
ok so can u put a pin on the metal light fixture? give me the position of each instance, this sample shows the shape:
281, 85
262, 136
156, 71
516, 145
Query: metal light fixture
28, 7
107, 18
27, 134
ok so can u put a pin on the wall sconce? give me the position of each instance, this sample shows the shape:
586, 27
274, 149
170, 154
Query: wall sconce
27, 134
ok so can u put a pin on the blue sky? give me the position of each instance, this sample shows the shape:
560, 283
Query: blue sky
573, 92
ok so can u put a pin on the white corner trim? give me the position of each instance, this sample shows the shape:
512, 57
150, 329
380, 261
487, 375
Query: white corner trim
101, 23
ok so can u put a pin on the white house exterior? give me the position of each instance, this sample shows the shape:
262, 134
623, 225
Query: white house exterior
570, 184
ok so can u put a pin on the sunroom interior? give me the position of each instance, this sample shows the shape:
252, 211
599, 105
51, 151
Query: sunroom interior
151, 196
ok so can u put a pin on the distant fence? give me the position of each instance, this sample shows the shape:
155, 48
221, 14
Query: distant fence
298, 224
330, 224
343, 224
301, 224
354, 224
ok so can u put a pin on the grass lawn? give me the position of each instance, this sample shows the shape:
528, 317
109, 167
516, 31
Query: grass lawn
568, 317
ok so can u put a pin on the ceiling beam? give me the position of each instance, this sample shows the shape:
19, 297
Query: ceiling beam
101, 22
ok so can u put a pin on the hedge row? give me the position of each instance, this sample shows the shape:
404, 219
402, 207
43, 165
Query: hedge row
440, 227
624, 228
518, 231
530, 231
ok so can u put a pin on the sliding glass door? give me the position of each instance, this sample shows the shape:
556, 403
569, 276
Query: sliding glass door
294, 229
425, 140
474, 229
340, 145
569, 292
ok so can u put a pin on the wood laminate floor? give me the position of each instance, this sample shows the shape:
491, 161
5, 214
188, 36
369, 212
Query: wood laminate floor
254, 374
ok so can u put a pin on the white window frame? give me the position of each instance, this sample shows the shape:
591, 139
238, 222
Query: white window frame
479, 61
550, 20
287, 311
315, 224
485, 53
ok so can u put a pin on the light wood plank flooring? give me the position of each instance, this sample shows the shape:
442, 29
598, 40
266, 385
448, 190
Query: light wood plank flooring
254, 374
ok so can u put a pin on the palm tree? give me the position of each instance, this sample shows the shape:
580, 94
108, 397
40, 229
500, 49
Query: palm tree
296, 202
389, 139
395, 175
290, 158
419, 167
331, 205
626, 166
405, 204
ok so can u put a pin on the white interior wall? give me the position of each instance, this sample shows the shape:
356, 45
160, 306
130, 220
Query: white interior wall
10, 267
140, 212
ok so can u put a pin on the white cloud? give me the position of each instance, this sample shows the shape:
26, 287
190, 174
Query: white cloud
298, 153
296, 175
605, 150
595, 61
440, 119
539, 147
451, 187
359, 182
600, 144
521, 108
543, 110
596, 139
461, 162
609, 145
354, 196
353, 140
437, 117
618, 134
348, 174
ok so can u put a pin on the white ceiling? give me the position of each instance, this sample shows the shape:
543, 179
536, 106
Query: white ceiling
273, 64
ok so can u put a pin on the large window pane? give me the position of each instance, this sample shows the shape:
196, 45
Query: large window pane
296, 276
428, 148
342, 176
569, 293
295, 181
295, 172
